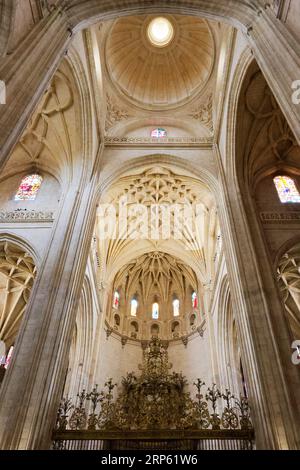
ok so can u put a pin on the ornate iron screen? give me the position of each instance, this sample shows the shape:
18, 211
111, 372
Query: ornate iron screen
154, 410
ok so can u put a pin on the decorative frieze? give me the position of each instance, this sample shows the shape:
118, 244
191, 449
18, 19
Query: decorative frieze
164, 141
280, 217
24, 215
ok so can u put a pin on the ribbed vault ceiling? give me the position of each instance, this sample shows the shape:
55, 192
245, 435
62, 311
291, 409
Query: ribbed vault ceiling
156, 272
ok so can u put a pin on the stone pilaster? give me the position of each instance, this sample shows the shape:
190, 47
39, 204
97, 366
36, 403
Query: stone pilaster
39, 364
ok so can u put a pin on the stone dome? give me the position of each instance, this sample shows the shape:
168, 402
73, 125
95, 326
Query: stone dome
160, 61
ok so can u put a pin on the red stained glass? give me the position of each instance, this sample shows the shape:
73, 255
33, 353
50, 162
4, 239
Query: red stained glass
29, 188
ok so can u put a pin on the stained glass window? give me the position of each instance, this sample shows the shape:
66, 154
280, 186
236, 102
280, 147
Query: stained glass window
116, 300
194, 300
159, 132
9, 356
155, 311
134, 306
286, 189
176, 308
117, 320
29, 188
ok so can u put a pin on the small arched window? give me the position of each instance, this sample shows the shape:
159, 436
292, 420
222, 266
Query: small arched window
194, 300
175, 329
133, 307
29, 188
286, 189
134, 329
176, 308
155, 311
116, 300
154, 330
158, 133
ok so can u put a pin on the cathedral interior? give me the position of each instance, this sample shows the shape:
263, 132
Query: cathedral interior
149, 224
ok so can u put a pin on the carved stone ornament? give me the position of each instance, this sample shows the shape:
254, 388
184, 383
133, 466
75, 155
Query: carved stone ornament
185, 340
108, 332
114, 113
203, 113
200, 331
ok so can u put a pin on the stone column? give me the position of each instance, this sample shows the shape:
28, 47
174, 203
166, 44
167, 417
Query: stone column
273, 380
33, 384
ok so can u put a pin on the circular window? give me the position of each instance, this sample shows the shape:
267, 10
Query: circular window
160, 32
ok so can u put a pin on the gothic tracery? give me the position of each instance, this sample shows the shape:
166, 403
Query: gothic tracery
17, 273
289, 283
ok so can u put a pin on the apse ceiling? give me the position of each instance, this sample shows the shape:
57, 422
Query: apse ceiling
159, 62
156, 272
